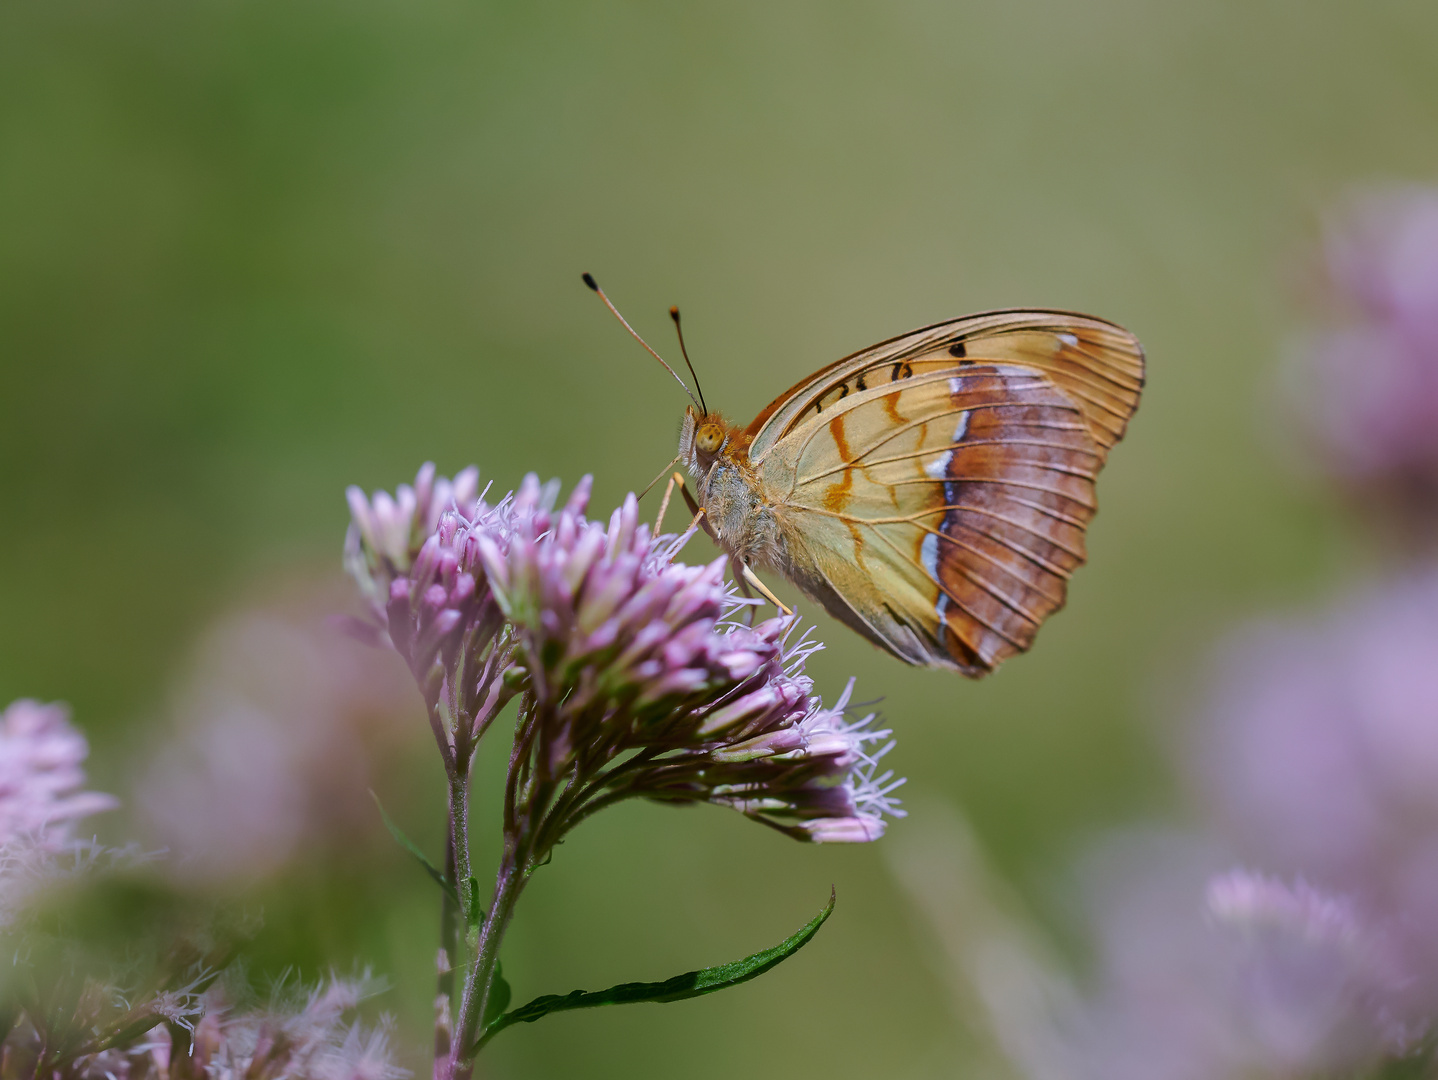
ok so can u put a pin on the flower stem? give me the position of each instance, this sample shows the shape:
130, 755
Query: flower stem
449, 956
459, 837
479, 983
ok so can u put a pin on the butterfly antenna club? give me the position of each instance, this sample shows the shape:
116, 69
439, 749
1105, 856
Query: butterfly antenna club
589, 280
674, 314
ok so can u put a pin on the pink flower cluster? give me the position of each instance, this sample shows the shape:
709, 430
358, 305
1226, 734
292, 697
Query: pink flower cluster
641, 680
646, 685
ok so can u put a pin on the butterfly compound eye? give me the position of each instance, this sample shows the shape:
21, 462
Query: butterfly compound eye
709, 438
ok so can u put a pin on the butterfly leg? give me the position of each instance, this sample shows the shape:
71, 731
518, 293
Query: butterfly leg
695, 508
741, 582
650, 486
743, 587
664, 504
762, 589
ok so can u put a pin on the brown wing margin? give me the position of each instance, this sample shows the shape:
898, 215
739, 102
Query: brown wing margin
1011, 529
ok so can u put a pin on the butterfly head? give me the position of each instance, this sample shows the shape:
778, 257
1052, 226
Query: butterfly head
705, 437
709, 438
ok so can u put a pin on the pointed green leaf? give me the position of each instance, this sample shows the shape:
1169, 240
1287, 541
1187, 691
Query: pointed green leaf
690, 984
499, 995
413, 848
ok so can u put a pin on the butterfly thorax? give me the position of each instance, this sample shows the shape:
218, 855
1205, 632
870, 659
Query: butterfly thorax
716, 453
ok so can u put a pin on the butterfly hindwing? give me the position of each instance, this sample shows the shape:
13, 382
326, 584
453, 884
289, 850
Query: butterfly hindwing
942, 510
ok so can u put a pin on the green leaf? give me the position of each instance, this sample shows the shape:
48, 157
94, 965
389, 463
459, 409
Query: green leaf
499, 995
413, 848
690, 984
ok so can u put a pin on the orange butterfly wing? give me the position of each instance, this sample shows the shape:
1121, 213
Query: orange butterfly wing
934, 498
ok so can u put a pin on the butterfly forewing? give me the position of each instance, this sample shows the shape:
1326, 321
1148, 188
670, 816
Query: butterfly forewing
1097, 365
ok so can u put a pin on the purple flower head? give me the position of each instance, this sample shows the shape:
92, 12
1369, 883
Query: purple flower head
41, 777
605, 618
416, 559
789, 762
1370, 384
645, 686
387, 531
633, 677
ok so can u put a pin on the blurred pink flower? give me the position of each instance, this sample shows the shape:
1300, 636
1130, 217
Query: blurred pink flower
1369, 384
1192, 973
41, 777
1229, 976
275, 731
1317, 755
299, 1036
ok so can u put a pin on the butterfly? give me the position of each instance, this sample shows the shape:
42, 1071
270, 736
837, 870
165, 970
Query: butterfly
932, 491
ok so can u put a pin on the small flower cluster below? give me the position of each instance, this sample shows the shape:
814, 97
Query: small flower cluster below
305, 1034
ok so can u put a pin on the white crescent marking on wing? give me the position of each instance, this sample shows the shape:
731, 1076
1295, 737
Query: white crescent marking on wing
961, 427
929, 555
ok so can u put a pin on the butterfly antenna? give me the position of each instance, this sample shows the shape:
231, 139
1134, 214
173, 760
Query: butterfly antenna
589, 280
674, 314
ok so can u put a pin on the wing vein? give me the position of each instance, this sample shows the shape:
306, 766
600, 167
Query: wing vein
930, 450
995, 562
955, 600
873, 523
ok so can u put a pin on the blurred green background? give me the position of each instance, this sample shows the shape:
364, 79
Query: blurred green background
251, 252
